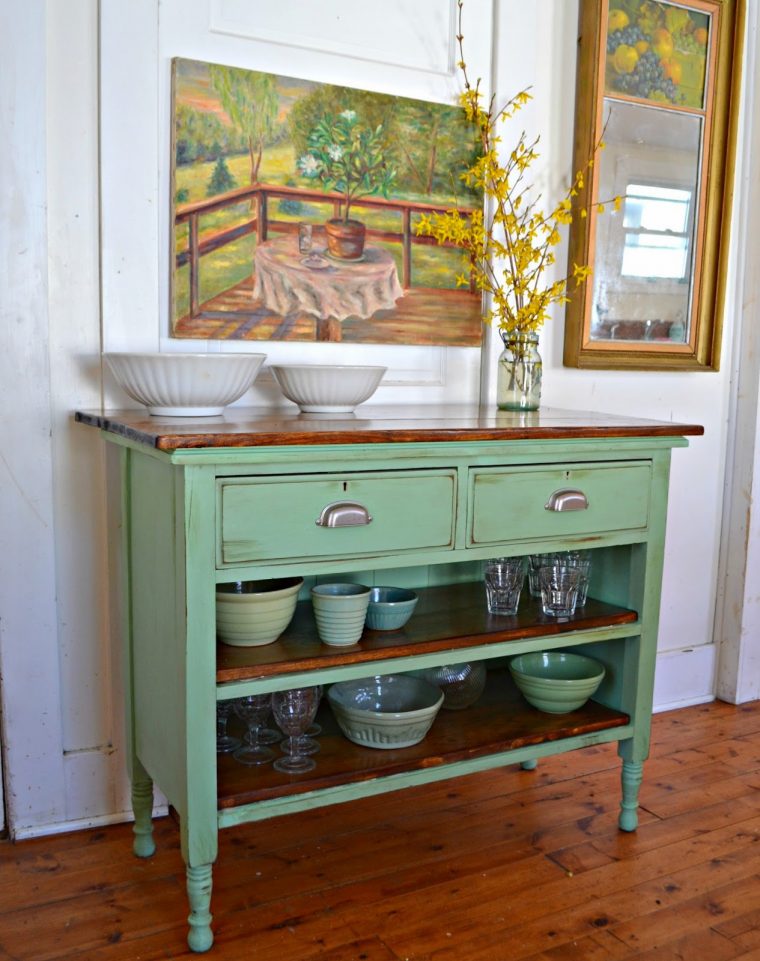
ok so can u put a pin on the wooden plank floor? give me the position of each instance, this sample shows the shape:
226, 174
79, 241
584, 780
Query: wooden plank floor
500, 866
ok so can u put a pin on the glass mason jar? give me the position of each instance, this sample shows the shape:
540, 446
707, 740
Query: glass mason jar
518, 382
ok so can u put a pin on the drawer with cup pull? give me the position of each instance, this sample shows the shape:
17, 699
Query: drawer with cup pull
518, 503
311, 517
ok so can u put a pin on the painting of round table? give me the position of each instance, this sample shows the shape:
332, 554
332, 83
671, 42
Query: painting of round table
331, 290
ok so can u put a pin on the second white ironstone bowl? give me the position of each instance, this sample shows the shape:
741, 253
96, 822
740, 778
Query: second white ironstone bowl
325, 389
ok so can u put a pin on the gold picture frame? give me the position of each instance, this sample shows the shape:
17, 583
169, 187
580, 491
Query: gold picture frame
658, 83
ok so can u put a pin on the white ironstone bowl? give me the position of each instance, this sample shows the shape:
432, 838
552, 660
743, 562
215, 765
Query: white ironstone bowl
185, 385
325, 389
388, 712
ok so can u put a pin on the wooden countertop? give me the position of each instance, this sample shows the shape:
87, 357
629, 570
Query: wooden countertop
401, 423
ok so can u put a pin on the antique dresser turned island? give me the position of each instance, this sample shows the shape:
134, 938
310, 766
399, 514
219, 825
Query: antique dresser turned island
441, 489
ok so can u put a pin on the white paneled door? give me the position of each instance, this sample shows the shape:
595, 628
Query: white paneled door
404, 47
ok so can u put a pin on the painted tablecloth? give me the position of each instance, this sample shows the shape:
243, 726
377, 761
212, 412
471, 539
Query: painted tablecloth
339, 289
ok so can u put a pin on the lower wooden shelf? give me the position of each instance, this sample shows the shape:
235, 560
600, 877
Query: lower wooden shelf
500, 721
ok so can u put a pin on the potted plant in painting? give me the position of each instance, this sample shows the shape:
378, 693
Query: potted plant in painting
347, 156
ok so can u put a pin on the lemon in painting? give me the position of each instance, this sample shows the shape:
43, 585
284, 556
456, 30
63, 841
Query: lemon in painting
662, 43
625, 58
618, 21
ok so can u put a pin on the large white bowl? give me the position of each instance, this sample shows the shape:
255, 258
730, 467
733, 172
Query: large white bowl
388, 712
327, 389
185, 385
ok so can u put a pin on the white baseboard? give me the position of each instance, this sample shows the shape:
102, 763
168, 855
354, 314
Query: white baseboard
81, 824
684, 677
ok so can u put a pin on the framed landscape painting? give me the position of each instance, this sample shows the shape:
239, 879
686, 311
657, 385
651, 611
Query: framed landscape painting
295, 207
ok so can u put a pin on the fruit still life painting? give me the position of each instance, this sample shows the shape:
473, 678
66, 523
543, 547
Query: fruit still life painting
658, 52
295, 208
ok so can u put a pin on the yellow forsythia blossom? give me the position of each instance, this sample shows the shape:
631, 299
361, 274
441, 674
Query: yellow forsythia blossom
507, 253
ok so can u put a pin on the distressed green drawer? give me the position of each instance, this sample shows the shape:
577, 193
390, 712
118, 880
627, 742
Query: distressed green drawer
507, 504
276, 518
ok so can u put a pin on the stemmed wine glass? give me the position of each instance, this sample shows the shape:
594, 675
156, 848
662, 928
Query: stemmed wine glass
307, 742
294, 711
254, 710
313, 729
225, 742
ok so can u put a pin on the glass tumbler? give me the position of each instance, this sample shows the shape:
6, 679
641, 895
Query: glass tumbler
535, 563
559, 589
504, 578
304, 238
581, 560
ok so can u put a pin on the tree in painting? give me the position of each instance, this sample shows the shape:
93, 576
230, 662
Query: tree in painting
250, 101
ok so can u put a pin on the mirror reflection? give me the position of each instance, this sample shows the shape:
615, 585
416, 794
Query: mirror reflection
644, 278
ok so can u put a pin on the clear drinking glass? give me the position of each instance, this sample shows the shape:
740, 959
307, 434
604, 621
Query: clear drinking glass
535, 563
253, 710
582, 560
314, 729
304, 238
225, 742
559, 589
504, 578
307, 742
294, 711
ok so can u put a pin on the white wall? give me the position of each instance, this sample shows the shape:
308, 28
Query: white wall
737, 630
65, 187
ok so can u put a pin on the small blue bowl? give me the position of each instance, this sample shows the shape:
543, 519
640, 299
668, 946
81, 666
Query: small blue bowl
390, 608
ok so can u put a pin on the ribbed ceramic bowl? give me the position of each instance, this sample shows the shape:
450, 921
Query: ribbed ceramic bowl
340, 610
556, 681
185, 385
254, 613
388, 712
390, 608
324, 389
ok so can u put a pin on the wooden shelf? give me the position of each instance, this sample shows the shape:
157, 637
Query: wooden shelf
452, 616
501, 720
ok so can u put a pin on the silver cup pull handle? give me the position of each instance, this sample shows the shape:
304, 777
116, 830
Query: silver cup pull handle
567, 499
344, 514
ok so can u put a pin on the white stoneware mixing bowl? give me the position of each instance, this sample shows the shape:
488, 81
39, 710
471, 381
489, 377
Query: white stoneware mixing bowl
185, 385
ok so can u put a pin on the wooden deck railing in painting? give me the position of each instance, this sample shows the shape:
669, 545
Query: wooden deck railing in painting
260, 223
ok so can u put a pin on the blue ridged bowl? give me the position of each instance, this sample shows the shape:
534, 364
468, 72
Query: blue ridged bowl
390, 608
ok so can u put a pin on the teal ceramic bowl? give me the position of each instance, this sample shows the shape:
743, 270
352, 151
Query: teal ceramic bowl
390, 608
556, 681
340, 611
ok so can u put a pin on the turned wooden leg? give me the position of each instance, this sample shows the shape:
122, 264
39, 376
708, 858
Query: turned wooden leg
200, 936
629, 805
530, 765
142, 806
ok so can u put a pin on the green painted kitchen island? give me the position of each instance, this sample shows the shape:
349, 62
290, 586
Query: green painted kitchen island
207, 501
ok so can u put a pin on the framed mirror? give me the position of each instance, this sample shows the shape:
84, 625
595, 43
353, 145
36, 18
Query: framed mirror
658, 84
